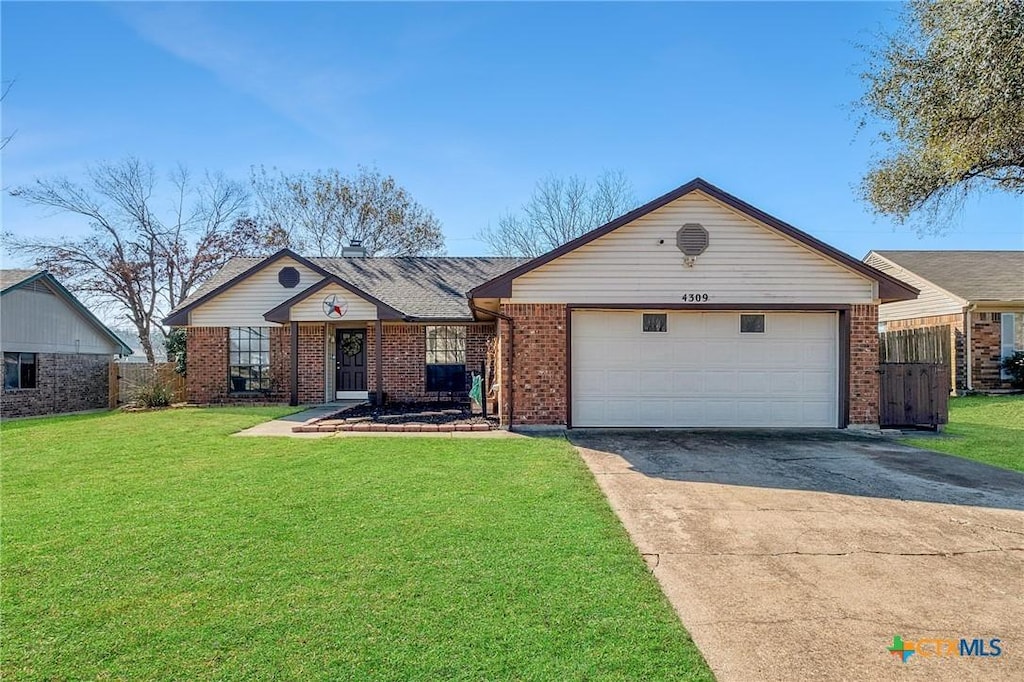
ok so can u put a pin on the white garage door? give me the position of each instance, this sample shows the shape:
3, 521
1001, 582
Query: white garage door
702, 370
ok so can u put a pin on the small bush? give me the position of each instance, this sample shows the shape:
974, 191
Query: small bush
153, 394
1014, 366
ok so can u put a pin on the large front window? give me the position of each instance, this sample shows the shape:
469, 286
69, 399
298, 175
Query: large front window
249, 359
446, 359
19, 370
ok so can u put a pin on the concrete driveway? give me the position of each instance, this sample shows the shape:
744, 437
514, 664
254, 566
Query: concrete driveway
798, 556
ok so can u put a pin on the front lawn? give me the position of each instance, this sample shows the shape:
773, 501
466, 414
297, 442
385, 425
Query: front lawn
155, 546
988, 429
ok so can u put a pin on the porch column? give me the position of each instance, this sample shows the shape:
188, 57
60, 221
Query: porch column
294, 400
378, 337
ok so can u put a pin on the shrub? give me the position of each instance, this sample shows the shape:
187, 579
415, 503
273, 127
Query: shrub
153, 394
177, 349
1014, 366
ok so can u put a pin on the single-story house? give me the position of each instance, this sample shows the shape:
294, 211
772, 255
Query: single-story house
978, 294
696, 309
56, 353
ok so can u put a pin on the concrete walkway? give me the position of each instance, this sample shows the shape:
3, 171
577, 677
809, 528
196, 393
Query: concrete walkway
282, 426
800, 556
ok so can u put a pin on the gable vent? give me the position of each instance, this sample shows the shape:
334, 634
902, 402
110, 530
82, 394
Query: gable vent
38, 287
692, 239
288, 277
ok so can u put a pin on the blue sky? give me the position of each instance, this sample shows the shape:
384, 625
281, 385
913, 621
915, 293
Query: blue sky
467, 105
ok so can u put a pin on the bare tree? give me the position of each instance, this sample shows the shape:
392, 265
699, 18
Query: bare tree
323, 211
5, 87
143, 260
558, 211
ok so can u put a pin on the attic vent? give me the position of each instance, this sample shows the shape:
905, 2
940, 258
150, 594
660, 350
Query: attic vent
38, 287
692, 239
288, 277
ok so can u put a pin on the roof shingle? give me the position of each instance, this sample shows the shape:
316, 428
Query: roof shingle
419, 287
971, 275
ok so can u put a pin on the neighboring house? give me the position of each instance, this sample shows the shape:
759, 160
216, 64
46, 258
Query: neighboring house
979, 294
56, 353
696, 309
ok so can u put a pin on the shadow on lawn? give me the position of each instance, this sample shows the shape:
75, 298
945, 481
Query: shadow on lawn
827, 462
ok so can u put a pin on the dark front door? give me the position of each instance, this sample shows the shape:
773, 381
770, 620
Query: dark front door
350, 352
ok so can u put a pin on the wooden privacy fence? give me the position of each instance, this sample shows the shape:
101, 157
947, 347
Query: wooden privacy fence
913, 394
927, 344
128, 377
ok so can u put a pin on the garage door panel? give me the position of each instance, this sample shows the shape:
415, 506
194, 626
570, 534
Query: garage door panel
657, 383
590, 383
659, 353
720, 383
703, 371
687, 353
688, 382
756, 383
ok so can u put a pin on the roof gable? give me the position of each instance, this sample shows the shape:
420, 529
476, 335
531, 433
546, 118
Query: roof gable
14, 280
236, 271
889, 288
282, 312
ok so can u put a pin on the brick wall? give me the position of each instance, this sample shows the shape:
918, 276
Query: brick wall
206, 379
957, 339
986, 352
311, 363
864, 365
537, 379
65, 382
404, 358
404, 354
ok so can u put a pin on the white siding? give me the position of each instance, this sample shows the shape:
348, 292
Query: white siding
312, 309
931, 302
243, 305
745, 262
34, 321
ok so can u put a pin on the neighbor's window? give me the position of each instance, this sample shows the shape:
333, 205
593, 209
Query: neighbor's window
446, 359
752, 324
249, 359
19, 370
655, 322
1011, 337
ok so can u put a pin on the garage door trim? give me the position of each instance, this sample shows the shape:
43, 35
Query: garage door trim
843, 309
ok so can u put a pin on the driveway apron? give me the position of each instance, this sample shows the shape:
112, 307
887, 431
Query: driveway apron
800, 555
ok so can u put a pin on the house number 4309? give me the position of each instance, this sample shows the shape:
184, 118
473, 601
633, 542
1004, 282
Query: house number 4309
695, 298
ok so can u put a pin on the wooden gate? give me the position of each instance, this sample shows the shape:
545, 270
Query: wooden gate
913, 394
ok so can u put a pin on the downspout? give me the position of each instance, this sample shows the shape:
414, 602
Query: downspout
511, 354
968, 359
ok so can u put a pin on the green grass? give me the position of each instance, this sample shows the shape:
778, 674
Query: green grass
153, 546
988, 429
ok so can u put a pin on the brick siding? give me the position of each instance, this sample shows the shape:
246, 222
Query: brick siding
537, 380
986, 352
404, 358
864, 365
65, 382
404, 355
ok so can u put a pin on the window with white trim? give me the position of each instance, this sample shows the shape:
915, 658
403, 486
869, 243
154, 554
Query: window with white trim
1011, 338
249, 359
